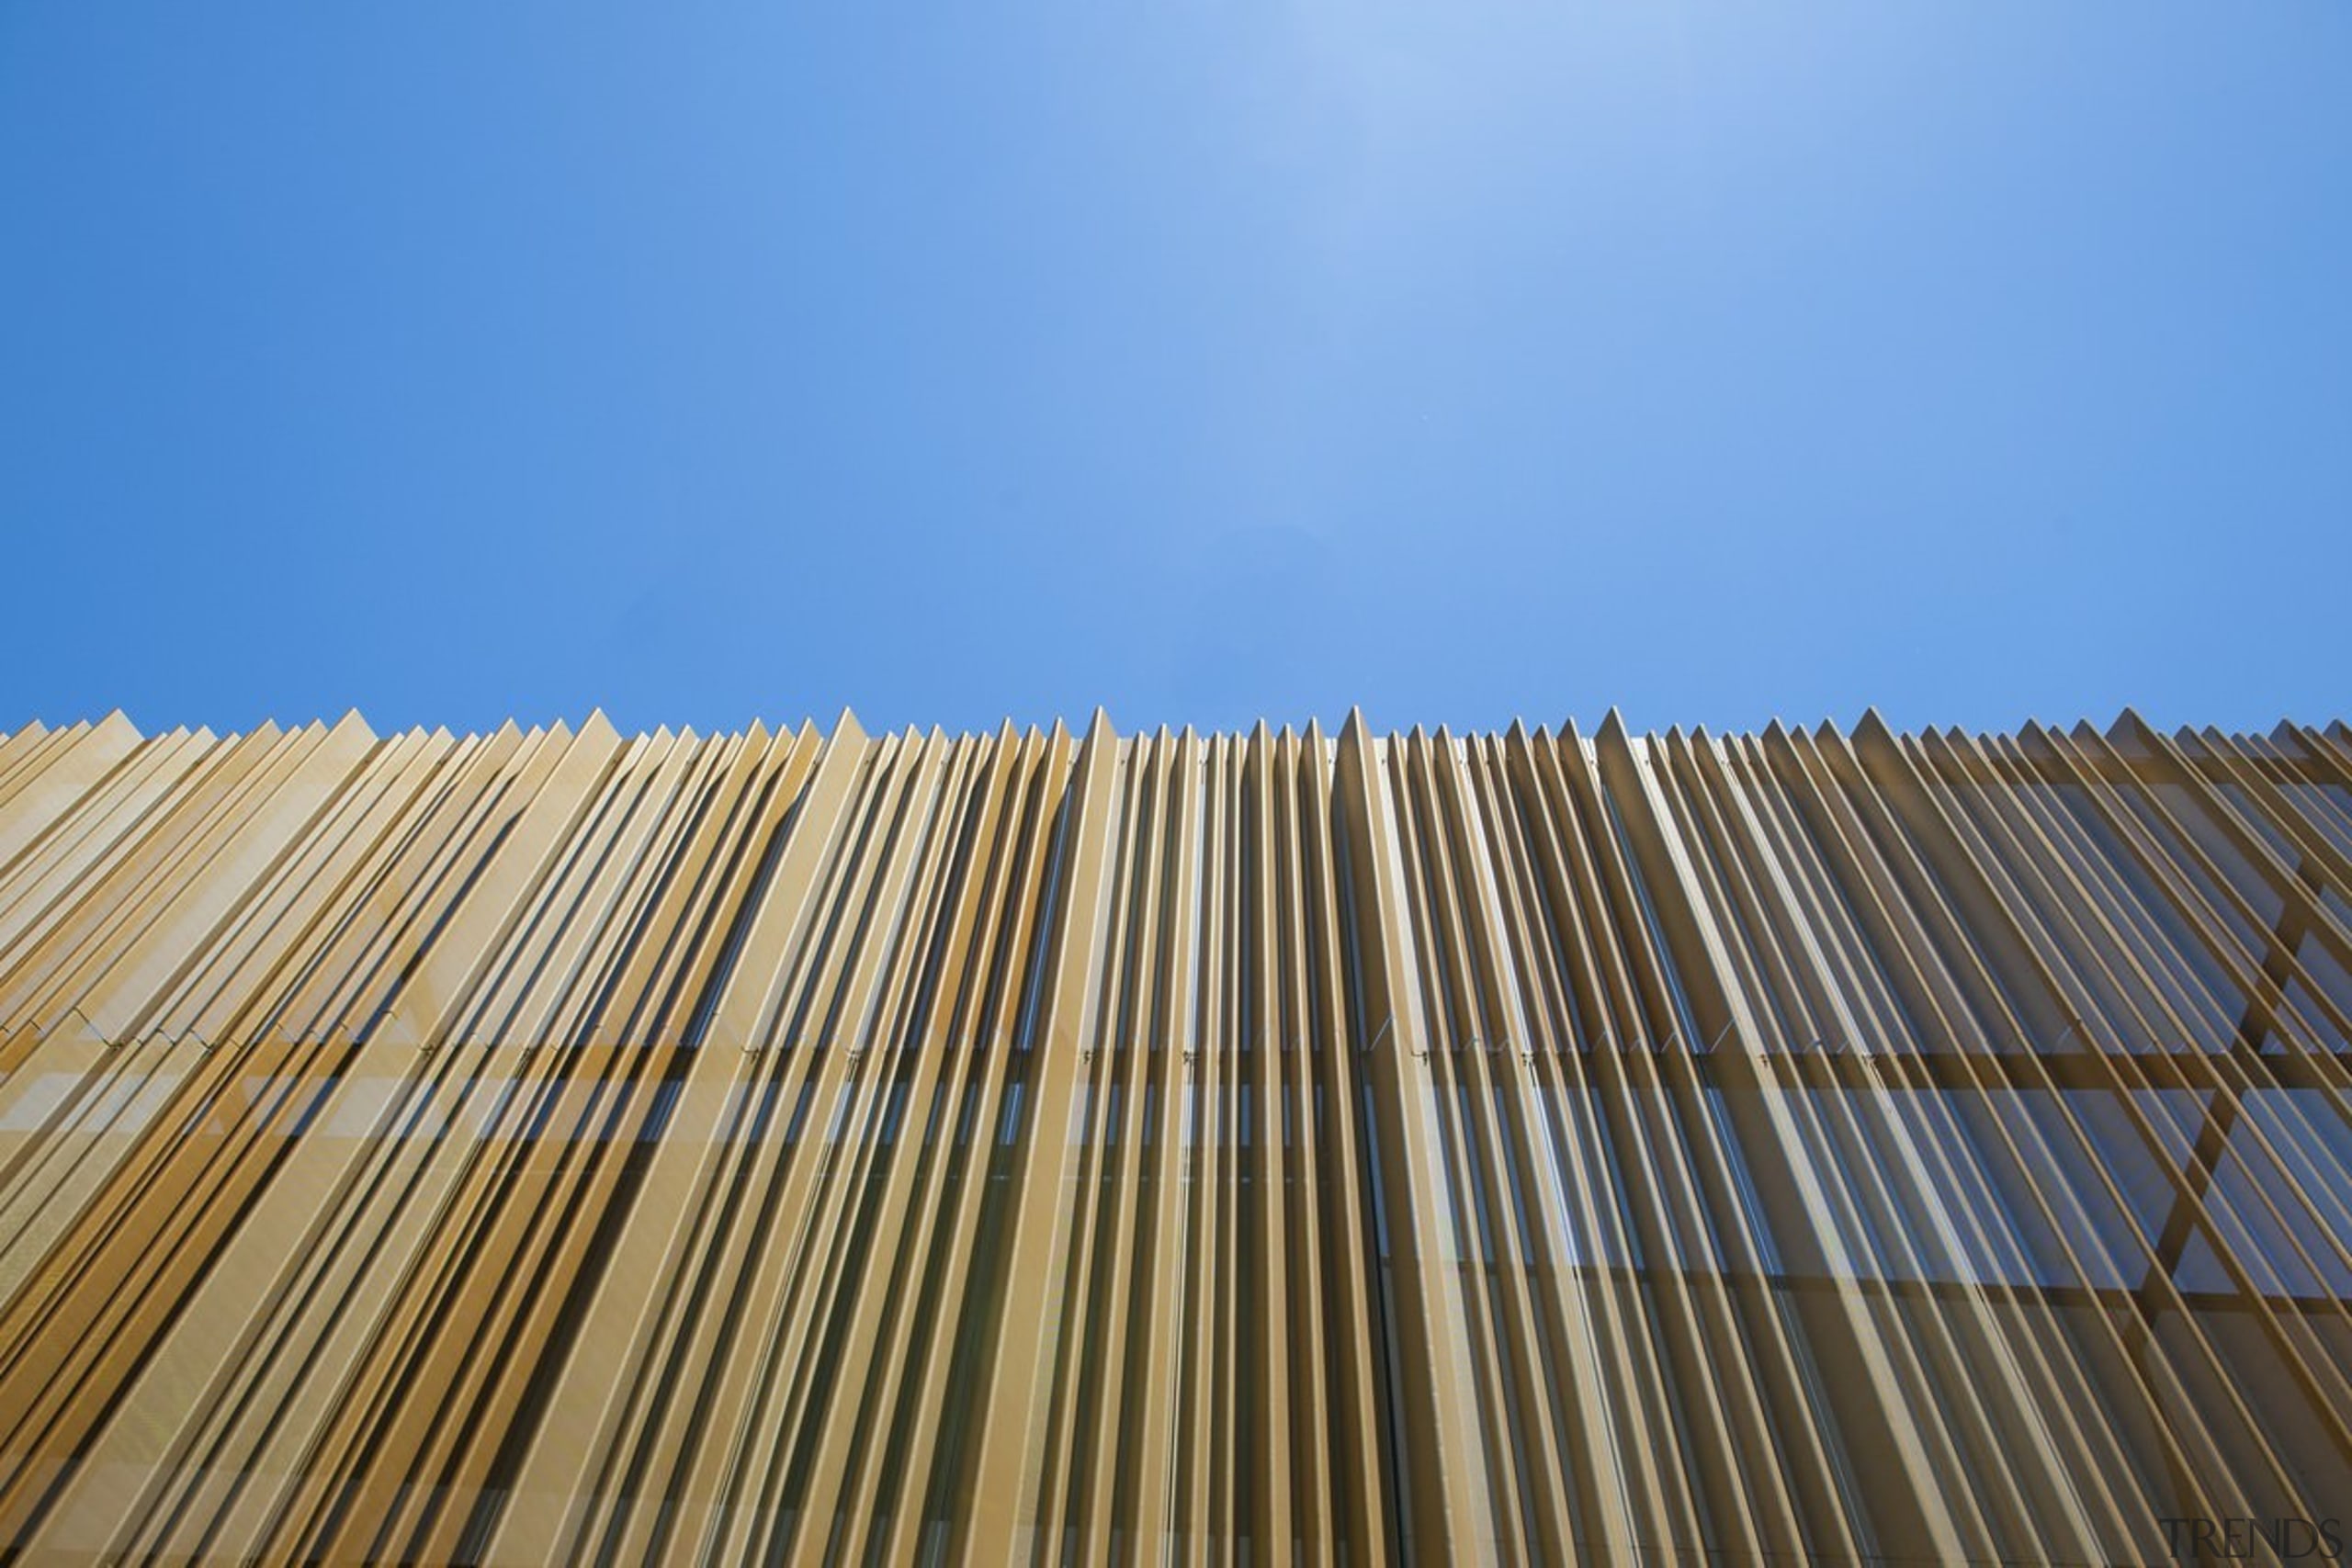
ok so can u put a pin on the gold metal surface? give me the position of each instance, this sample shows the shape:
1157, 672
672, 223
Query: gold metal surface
555, 1146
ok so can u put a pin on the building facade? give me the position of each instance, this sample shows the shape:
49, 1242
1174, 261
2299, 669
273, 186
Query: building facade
554, 1146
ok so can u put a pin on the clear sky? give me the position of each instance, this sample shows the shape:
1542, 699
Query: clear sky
1203, 358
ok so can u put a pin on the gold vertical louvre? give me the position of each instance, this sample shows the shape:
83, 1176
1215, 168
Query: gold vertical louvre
551, 1146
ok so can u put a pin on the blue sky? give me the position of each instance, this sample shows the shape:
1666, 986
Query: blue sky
1199, 359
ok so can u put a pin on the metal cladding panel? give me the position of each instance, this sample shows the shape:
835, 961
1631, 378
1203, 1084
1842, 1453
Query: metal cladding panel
555, 1146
